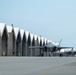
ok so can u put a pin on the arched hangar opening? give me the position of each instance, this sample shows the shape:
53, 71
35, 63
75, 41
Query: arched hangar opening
4, 42
33, 44
18, 45
24, 45
28, 44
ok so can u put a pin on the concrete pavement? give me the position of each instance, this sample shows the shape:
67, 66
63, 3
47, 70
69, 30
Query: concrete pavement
37, 65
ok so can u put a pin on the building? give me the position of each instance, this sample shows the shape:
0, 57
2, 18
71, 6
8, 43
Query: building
15, 42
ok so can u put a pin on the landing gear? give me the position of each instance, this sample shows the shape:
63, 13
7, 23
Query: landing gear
61, 55
49, 55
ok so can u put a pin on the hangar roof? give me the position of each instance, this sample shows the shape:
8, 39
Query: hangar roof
22, 33
51, 42
9, 29
27, 33
2, 26
42, 38
39, 38
45, 40
16, 30
31, 35
35, 37
56, 44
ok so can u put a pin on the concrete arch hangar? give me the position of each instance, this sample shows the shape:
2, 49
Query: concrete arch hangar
23, 38
3, 40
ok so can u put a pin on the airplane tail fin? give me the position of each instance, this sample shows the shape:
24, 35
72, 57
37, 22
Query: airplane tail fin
60, 42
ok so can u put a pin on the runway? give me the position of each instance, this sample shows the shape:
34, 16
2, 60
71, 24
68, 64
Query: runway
37, 65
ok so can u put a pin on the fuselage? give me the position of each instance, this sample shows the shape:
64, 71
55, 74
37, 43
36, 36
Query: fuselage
50, 47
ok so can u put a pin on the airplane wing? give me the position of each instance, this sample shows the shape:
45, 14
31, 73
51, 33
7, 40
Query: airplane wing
64, 48
36, 47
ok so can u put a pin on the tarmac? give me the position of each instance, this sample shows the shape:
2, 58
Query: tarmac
37, 65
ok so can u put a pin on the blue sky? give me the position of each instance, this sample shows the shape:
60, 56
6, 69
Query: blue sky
53, 19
